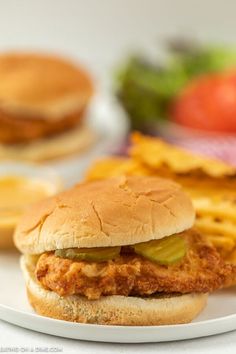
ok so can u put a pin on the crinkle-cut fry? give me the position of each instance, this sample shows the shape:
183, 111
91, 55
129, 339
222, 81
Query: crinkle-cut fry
208, 226
156, 153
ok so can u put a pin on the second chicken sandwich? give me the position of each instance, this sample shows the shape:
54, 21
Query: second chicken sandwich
43, 99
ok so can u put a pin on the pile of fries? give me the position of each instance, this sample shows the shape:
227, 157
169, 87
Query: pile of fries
210, 183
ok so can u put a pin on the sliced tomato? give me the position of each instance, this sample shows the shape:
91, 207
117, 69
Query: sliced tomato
208, 103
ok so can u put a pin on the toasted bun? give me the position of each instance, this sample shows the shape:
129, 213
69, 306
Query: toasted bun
111, 310
112, 212
40, 85
53, 147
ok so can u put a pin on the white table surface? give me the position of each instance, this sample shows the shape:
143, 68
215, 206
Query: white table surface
13, 336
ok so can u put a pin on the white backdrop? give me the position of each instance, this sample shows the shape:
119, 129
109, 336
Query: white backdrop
100, 32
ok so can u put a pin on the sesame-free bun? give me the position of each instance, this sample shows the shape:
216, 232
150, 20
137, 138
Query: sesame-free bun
111, 310
41, 85
42, 97
117, 211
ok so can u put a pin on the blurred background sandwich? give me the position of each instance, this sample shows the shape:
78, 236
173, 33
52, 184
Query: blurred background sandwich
43, 100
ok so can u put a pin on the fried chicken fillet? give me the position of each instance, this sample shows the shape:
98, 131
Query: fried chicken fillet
16, 131
202, 270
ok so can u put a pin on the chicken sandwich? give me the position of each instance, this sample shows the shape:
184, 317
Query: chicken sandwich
119, 251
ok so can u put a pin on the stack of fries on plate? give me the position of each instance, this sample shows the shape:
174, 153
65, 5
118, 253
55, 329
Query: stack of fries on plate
210, 183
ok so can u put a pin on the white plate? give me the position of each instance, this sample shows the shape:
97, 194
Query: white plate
108, 120
218, 317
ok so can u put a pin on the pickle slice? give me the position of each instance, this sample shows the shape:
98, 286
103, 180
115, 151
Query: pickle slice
166, 251
100, 254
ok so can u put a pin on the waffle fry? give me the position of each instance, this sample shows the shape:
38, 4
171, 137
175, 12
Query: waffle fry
155, 153
107, 168
232, 257
221, 242
216, 209
211, 184
209, 225
111, 167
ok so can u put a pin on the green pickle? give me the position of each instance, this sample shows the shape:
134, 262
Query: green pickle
166, 251
89, 254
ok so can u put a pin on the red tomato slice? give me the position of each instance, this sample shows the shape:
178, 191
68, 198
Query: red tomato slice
208, 103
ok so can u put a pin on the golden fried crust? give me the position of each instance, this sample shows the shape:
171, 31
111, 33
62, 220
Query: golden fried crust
202, 270
14, 130
160, 309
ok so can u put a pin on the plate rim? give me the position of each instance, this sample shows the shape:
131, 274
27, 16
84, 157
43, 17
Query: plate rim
113, 333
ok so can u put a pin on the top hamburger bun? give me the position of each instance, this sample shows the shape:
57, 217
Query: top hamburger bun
42, 86
113, 212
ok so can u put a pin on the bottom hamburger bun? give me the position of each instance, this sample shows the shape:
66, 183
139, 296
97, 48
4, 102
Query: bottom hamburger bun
111, 310
64, 144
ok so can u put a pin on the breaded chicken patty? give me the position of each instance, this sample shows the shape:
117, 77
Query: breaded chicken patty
201, 270
14, 130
